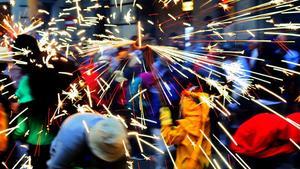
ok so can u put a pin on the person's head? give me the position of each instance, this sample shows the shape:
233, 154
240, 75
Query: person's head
148, 80
106, 140
193, 102
27, 42
122, 53
252, 45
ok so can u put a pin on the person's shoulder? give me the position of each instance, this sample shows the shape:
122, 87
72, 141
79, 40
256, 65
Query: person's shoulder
82, 116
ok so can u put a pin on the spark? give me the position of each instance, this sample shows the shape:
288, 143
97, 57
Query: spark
281, 33
151, 121
250, 33
227, 133
139, 28
171, 16
24, 155
295, 144
224, 6
88, 93
43, 11
126, 150
276, 113
170, 155
146, 158
187, 24
66, 73
136, 95
150, 22
3, 163
139, 6
85, 126
138, 124
238, 160
289, 62
138, 140
207, 157
217, 151
270, 92
12, 120
217, 164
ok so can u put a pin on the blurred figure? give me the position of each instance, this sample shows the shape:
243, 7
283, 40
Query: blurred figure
194, 46
7, 103
195, 112
37, 98
252, 51
31, 95
89, 141
149, 109
3, 126
174, 42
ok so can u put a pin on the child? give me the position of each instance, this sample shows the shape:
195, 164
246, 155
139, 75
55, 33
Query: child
186, 135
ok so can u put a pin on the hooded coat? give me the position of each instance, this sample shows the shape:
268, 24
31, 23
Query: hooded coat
267, 135
187, 136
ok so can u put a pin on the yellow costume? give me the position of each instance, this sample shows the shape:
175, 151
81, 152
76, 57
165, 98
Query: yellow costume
186, 135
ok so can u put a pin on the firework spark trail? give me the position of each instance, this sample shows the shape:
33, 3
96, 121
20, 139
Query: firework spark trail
241, 18
19, 161
164, 52
176, 56
167, 148
294, 143
217, 151
19, 114
240, 161
276, 113
207, 157
258, 86
227, 133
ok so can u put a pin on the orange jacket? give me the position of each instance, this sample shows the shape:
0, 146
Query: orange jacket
3, 126
187, 132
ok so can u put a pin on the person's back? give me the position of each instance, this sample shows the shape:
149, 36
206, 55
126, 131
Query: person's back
80, 143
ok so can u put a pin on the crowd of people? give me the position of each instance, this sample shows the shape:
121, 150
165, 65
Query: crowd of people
130, 91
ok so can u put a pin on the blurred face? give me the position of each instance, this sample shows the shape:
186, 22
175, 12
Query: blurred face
122, 54
281, 38
252, 46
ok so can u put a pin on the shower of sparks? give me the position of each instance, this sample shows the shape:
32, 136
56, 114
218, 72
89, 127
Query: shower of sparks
211, 59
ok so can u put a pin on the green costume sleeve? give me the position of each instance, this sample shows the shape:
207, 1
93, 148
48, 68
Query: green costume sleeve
23, 92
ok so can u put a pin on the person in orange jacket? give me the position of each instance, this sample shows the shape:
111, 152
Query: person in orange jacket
191, 144
3, 126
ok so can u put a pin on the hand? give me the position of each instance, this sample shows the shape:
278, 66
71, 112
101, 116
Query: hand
14, 107
165, 116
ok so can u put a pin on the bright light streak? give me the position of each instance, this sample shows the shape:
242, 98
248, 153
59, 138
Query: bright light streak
295, 144
136, 95
217, 151
12, 120
227, 133
170, 155
85, 126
